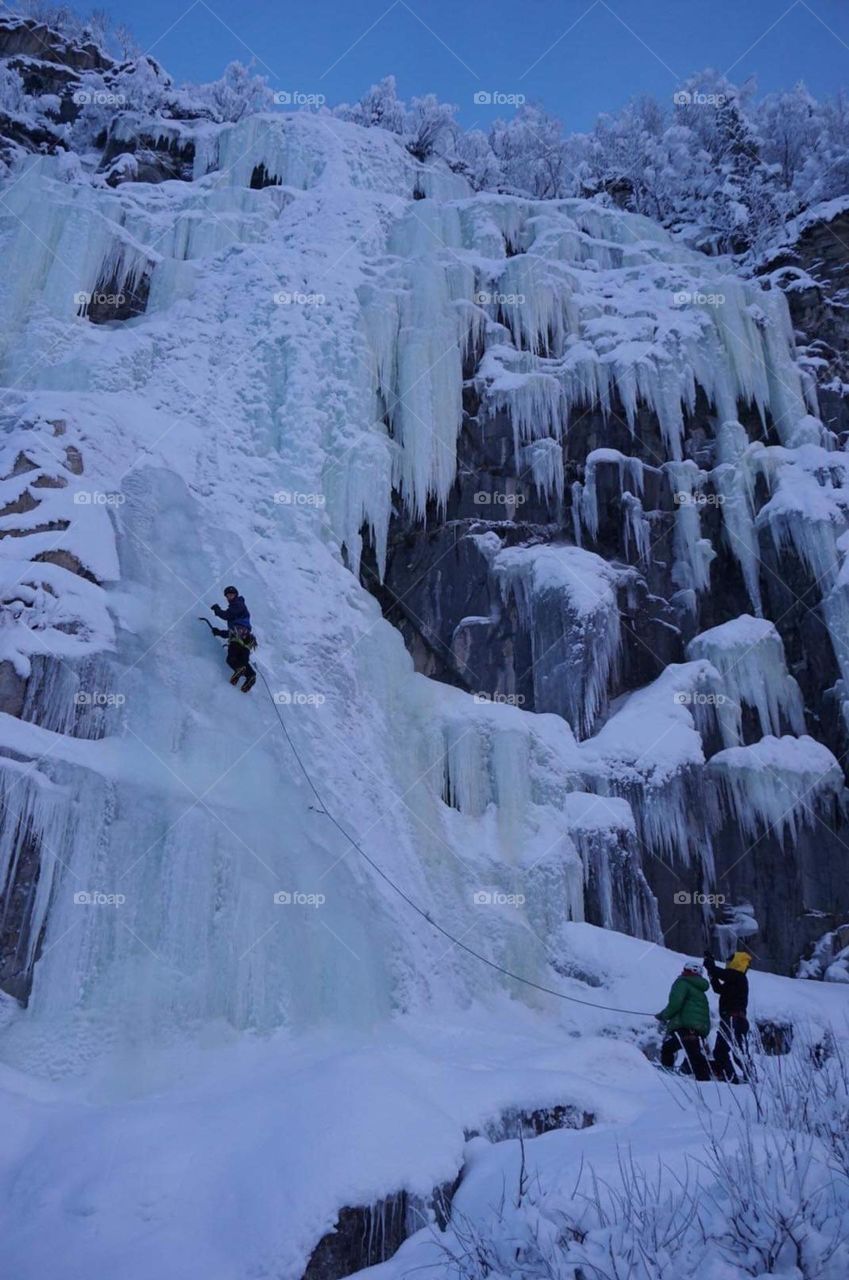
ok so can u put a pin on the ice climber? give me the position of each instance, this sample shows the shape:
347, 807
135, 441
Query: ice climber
686, 1020
730, 983
239, 636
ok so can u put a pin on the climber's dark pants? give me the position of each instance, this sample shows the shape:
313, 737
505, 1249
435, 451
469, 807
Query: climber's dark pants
731, 1050
693, 1045
239, 658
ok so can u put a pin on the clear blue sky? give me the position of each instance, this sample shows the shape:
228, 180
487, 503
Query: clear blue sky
578, 57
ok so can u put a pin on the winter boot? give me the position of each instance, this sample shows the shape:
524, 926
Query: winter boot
250, 681
237, 675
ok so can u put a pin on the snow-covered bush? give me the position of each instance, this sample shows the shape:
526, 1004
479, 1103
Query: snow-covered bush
238, 93
427, 125
429, 128
530, 154
380, 108
769, 1195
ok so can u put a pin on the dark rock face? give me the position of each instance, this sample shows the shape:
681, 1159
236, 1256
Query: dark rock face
113, 300
34, 39
155, 158
366, 1235
45, 696
818, 305
363, 1237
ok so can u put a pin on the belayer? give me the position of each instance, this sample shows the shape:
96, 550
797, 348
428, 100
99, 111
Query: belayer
732, 986
686, 1020
240, 638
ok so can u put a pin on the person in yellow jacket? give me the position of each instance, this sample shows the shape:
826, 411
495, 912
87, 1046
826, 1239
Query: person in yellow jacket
731, 1049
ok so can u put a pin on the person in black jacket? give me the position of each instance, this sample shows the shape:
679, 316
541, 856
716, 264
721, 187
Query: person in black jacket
732, 987
239, 637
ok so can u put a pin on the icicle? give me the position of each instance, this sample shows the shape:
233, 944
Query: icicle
567, 602
636, 529
544, 458
749, 656
693, 554
735, 486
776, 784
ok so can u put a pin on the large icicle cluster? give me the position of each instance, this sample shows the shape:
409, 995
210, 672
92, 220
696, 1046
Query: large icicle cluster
567, 601
777, 784
748, 653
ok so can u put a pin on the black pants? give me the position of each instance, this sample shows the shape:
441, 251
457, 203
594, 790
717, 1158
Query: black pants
731, 1048
693, 1045
239, 659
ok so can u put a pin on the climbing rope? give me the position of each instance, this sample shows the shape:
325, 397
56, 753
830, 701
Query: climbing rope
410, 902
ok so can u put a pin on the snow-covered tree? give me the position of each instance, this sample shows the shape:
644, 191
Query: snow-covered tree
380, 108
475, 158
237, 94
429, 127
530, 153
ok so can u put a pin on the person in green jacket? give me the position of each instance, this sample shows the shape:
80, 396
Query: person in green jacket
686, 1020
